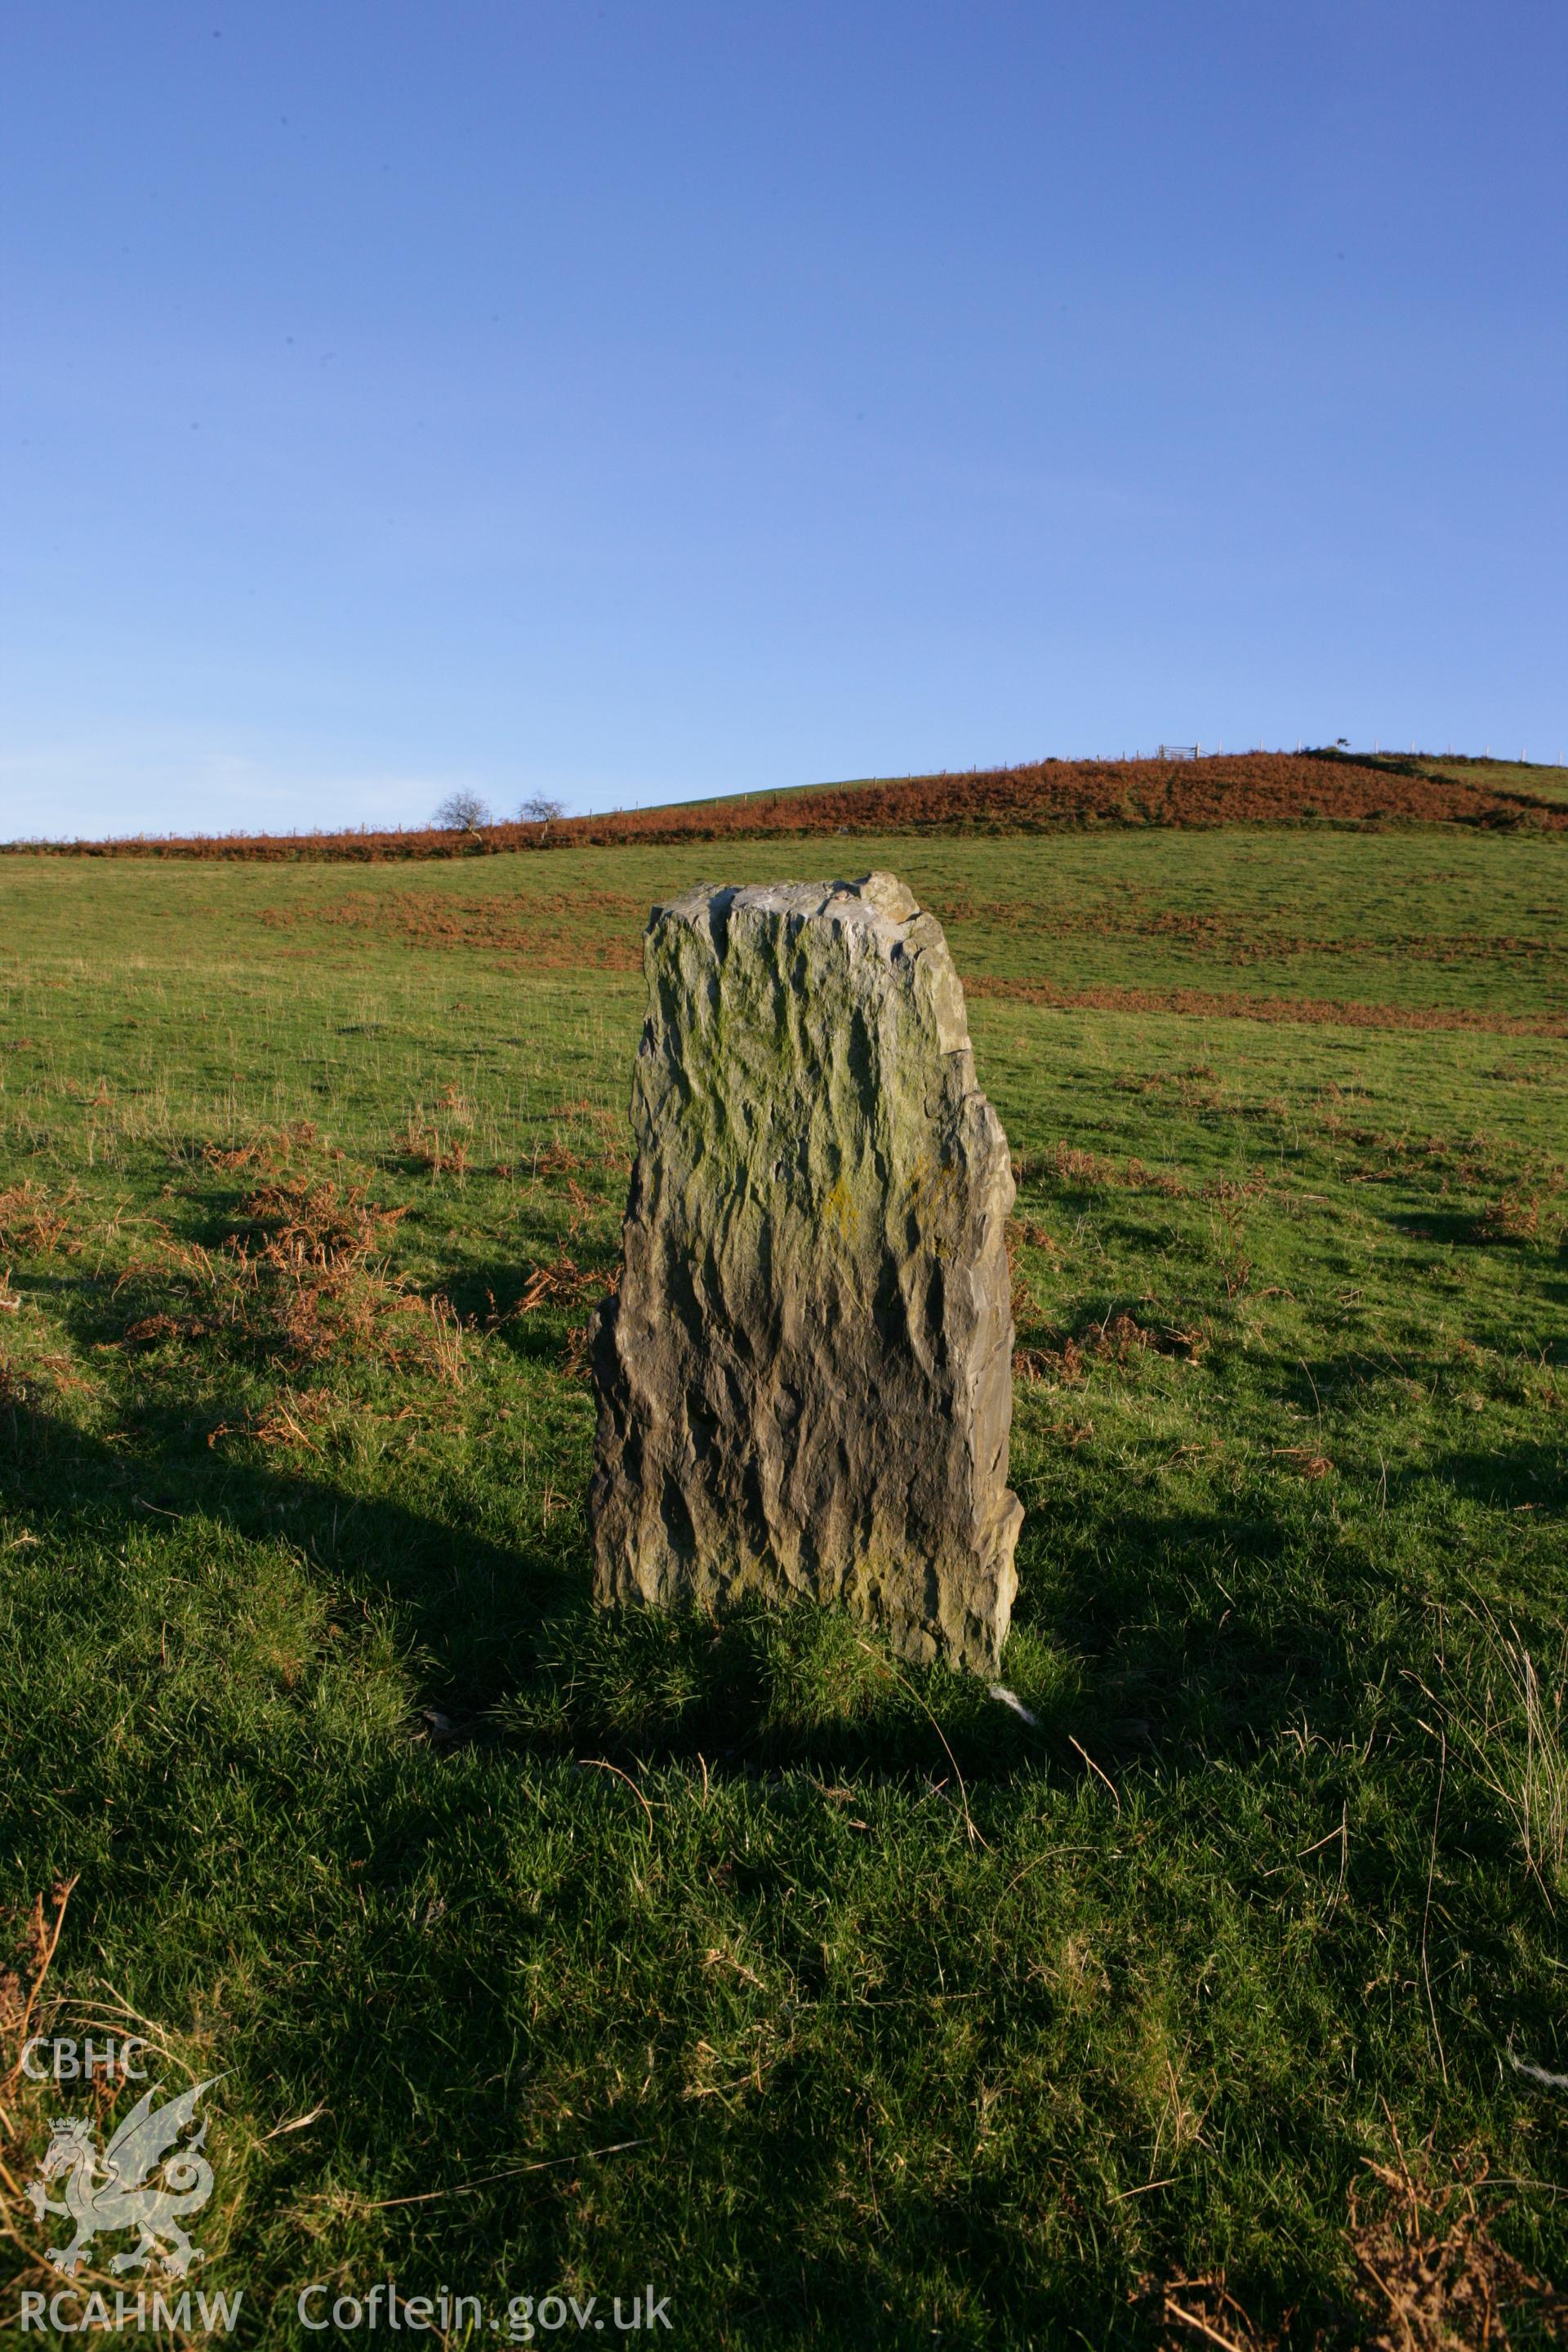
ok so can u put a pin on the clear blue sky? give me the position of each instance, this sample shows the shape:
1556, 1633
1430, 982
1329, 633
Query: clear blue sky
630, 401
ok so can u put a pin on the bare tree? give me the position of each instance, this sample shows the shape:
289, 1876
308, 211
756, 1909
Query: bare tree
464, 812
538, 811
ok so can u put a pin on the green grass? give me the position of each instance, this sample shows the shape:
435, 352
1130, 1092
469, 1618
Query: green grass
1544, 777
910, 2023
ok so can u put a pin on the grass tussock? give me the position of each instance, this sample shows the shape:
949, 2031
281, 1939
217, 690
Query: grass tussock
1516, 1728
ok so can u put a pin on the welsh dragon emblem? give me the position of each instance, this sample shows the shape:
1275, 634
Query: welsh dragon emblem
145, 2180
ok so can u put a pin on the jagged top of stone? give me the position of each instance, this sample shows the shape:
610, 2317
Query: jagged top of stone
877, 914
874, 897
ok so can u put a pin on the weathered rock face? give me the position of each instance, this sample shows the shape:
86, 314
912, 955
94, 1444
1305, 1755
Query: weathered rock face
805, 1380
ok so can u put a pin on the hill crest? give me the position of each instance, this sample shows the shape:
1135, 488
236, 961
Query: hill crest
1045, 795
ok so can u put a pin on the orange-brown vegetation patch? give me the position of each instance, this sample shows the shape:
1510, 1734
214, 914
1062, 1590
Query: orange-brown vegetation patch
309, 1229
1231, 939
1090, 1171
28, 1941
268, 1147
1256, 788
34, 1225
1066, 1163
561, 1283
424, 1148
605, 1139
1065, 1358
286, 1421
151, 1330
549, 933
585, 1137
1520, 1217
1219, 1004
1527, 1203
302, 1278
1305, 1460
1429, 2276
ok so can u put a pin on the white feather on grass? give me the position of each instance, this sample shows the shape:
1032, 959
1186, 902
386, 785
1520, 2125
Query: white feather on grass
1538, 2073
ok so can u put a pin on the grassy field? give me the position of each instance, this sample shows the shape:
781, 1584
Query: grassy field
545, 1953
1544, 777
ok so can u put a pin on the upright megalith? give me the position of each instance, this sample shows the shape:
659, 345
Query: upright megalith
805, 1381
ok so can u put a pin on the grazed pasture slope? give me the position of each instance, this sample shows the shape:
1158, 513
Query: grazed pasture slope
1542, 781
906, 2021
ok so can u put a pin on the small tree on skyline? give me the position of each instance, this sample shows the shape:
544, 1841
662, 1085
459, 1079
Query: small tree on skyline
464, 812
540, 811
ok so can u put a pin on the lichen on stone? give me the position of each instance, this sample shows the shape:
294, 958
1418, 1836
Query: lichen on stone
804, 1380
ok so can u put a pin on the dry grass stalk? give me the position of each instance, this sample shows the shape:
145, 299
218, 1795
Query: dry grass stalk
445, 1344
1203, 2310
1519, 1742
268, 1147
1120, 1339
1305, 1460
429, 1150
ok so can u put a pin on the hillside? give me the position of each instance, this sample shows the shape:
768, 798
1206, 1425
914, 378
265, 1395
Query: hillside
497, 1916
1250, 788
1542, 779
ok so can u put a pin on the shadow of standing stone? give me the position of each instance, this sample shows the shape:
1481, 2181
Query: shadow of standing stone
805, 1383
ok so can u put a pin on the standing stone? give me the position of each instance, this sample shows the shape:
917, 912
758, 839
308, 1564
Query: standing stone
806, 1380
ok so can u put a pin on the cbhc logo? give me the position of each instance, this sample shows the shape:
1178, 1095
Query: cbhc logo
79, 2061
